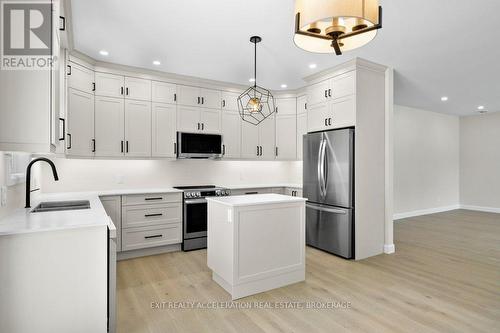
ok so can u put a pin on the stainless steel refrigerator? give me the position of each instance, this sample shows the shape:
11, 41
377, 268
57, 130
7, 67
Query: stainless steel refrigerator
328, 176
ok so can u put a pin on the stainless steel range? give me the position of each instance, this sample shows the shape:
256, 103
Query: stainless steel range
195, 214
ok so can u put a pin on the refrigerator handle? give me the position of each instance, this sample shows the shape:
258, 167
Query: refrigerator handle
326, 209
320, 164
322, 168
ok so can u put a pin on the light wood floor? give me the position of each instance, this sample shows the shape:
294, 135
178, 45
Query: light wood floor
444, 277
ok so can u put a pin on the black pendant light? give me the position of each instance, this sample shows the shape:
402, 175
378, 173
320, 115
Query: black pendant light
256, 103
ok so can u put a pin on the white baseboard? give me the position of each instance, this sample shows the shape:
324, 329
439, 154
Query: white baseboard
481, 209
389, 248
425, 212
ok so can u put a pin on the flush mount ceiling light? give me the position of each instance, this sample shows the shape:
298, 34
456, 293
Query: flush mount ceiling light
104, 52
256, 103
335, 25
156, 63
444, 98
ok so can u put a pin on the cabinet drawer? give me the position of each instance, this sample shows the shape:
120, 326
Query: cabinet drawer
252, 191
147, 199
148, 215
139, 238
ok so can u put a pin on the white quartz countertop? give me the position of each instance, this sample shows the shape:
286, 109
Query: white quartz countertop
255, 199
245, 186
23, 221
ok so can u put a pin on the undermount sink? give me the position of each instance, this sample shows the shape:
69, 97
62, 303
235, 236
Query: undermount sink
54, 206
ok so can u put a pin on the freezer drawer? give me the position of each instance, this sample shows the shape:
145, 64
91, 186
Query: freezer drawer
330, 229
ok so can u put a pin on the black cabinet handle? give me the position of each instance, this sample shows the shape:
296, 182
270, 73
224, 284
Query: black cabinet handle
305, 106
198, 126
69, 69
175, 97
153, 215
223, 103
154, 198
63, 129
257, 150
223, 150
154, 236
329, 121
326, 93
202, 126
329, 92
70, 141
122, 146
326, 122
93, 145
276, 109
251, 192
198, 100
121, 90
126, 91
175, 148
126, 145
62, 27
203, 100
260, 150
276, 151
93, 86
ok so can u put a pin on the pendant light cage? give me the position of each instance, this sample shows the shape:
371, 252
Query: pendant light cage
336, 25
255, 104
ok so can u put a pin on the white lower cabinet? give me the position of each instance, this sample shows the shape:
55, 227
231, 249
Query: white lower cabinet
109, 126
163, 126
150, 220
113, 207
137, 128
286, 137
231, 134
293, 191
80, 124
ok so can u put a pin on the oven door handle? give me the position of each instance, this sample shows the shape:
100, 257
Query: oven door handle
195, 201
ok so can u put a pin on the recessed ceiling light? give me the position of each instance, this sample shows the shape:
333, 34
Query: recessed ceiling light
251, 79
284, 86
480, 107
104, 52
444, 98
156, 63
312, 66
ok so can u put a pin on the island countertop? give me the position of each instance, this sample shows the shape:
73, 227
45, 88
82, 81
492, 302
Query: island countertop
255, 199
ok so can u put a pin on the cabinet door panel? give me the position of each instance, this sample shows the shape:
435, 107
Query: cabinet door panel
210, 120
164, 130
318, 92
113, 207
344, 85
137, 128
138, 89
81, 78
80, 123
302, 104
249, 140
231, 134
301, 130
343, 112
163, 92
316, 115
286, 137
286, 106
109, 126
188, 119
267, 138
188, 95
210, 98
109, 85
230, 101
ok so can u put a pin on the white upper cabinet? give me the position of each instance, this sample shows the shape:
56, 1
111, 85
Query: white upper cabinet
137, 128
343, 85
109, 126
231, 134
267, 138
318, 92
80, 78
163, 92
210, 98
188, 119
109, 85
188, 95
163, 124
317, 117
250, 148
301, 130
286, 137
258, 142
138, 89
80, 124
343, 112
301, 104
286, 106
210, 120
229, 101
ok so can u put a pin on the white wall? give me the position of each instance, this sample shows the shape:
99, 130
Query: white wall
426, 161
88, 175
480, 161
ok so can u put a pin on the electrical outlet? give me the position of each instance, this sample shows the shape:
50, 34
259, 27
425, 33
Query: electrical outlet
3, 196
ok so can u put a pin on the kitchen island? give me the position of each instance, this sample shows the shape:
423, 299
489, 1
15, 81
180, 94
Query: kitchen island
256, 242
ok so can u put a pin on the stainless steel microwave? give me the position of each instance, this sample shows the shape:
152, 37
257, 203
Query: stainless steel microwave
197, 145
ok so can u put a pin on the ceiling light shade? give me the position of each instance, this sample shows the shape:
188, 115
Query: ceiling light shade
255, 104
335, 25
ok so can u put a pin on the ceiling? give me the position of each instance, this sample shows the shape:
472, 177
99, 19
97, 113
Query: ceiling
437, 48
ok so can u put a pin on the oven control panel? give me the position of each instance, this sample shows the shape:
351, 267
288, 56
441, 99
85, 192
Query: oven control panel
218, 192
